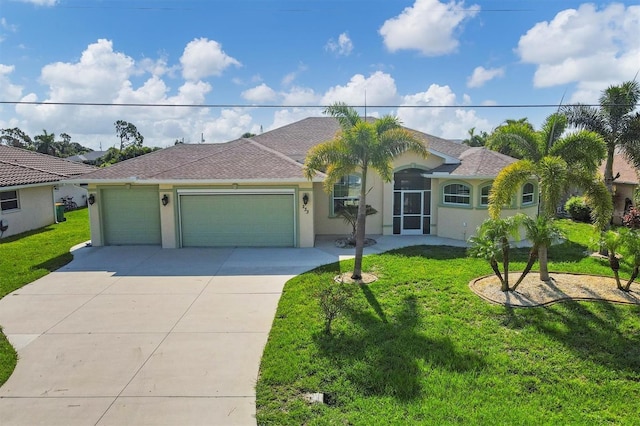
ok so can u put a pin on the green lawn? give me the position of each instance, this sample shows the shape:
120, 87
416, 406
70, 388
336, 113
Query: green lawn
31, 255
418, 347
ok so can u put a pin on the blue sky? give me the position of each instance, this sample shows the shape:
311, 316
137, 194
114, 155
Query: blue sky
442, 67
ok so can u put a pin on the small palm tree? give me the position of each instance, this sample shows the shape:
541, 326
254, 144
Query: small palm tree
541, 232
359, 146
557, 162
491, 243
626, 241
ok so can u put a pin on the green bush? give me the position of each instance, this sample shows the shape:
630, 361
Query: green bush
578, 209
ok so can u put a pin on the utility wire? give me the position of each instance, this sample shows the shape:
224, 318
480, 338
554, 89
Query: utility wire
111, 104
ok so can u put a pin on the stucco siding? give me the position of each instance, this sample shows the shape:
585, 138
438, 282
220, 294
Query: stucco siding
36, 210
327, 224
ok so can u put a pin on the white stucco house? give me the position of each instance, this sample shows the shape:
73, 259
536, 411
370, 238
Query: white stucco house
30, 185
252, 192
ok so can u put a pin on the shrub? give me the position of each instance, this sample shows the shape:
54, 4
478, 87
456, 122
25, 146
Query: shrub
632, 218
334, 299
578, 209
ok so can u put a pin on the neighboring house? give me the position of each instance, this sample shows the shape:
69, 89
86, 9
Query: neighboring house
30, 186
88, 157
624, 186
252, 192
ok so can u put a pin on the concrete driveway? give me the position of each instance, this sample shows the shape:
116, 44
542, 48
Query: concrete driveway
145, 336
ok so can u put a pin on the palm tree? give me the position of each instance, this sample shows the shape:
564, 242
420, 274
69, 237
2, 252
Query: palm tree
475, 139
46, 143
358, 146
556, 162
627, 241
541, 232
491, 243
614, 120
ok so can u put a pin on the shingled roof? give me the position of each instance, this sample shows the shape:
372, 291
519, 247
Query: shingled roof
277, 155
22, 167
628, 173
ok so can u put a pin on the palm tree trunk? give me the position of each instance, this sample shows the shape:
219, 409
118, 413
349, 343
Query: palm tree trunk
360, 226
634, 275
494, 265
505, 261
533, 255
544, 268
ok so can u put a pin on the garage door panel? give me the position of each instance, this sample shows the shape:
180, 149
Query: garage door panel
249, 220
131, 216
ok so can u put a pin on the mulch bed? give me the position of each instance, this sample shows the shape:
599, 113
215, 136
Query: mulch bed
562, 287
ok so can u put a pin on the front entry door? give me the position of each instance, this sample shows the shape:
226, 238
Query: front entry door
412, 212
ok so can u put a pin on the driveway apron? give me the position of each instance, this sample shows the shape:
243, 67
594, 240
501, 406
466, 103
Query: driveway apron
145, 336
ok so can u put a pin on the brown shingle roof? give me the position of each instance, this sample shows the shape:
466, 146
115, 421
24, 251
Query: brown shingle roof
277, 154
23, 167
239, 159
628, 173
480, 161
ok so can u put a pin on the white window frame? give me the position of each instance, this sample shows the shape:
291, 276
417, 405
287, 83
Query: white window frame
15, 199
482, 188
446, 194
348, 199
531, 194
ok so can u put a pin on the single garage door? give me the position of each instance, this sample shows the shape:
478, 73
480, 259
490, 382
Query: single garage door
237, 220
131, 216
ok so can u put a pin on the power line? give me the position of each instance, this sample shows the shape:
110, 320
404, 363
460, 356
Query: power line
272, 106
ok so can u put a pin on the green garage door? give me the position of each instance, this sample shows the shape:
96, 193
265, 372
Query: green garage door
131, 216
237, 220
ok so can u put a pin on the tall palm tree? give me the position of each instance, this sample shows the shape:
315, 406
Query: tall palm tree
46, 143
614, 120
475, 139
557, 162
359, 146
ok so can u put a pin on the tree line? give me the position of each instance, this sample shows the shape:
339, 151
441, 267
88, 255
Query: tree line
130, 146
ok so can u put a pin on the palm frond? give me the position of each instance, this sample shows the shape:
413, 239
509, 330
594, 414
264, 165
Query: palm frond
553, 127
507, 183
518, 139
552, 173
346, 115
583, 149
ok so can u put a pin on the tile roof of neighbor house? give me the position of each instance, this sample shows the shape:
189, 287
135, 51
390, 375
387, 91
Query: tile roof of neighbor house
22, 167
628, 173
277, 155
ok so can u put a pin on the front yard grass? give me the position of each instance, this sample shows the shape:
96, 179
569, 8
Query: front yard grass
26, 257
419, 347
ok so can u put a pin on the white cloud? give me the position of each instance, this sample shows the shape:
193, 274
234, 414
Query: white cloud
260, 94
450, 123
481, 75
379, 89
203, 58
595, 47
230, 125
428, 26
8, 90
343, 47
300, 96
41, 2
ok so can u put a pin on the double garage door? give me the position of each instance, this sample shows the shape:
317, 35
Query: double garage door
237, 220
131, 216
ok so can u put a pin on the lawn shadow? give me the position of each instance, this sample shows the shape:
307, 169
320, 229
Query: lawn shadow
431, 252
25, 234
589, 329
392, 357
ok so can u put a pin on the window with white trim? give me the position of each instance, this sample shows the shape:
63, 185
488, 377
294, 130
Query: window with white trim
528, 193
346, 192
9, 200
484, 195
457, 193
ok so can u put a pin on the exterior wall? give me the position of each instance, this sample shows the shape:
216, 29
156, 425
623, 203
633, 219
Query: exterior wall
94, 217
169, 217
36, 210
78, 193
328, 224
